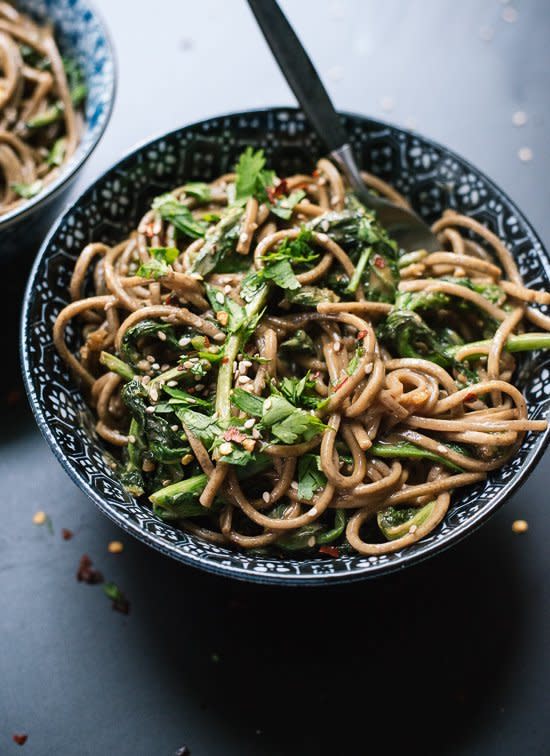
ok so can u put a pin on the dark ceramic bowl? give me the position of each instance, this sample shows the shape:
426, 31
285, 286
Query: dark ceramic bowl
431, 176
81, 36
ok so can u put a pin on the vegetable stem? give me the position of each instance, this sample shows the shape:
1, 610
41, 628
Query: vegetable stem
522, 343
359, 270
116, 365
232, 347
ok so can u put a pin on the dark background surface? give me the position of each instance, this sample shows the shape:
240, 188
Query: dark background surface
451, 655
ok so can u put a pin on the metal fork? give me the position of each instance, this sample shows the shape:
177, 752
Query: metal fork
409, 231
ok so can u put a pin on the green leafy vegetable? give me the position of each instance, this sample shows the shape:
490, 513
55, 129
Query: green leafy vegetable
220, 241
146, 329
311, 478
179, 215
247, 402
57, 153
252, 179
395, 523
288, 423
284, 206
159, 264
27, 191
199, 190
405, 450
203, 427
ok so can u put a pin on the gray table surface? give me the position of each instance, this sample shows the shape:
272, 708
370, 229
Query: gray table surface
451, 654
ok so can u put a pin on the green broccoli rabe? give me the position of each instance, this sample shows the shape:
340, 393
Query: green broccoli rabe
147, 328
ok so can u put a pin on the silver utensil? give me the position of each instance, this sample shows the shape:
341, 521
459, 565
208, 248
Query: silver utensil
410, 232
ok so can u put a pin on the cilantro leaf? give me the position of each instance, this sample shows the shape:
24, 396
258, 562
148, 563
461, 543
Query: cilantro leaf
175, 212
219, 242
286, 204
281, 274
203, 427
298, 251
199, 190
252, 179
299, 391
288, 423
247, 402
158, 265
184, 399
310, 476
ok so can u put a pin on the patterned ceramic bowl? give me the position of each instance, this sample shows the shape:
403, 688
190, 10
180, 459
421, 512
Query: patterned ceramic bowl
81, 36
431, 176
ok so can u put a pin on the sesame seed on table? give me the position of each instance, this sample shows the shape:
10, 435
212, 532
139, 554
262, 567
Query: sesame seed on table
202, 665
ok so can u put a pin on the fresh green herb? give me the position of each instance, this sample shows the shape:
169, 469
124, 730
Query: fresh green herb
289, 424
203, 427
247, 402
284, 206
311, 296
252, 179
311, 478
220, 241
300, 341
329, 536
159, 264
179, 215
405, 450
299, 391
120, 602
199, 190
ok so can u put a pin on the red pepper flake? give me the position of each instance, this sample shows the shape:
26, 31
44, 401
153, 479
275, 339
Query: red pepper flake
471, 397
149, 230
316, 172
274, 192
331, 551
234, 434
206, 342
66, 534
225, 360
361, 335
379, 261
86, 573
19, 738
342, 382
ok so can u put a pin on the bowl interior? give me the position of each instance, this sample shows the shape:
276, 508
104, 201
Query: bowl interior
431, 176
81, 36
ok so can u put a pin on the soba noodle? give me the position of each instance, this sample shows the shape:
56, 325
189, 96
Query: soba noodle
279, 377
40, 96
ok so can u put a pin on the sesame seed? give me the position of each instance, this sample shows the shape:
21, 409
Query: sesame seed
186, 459
368, 368
249, 423
227, 289
243, 379
520, 526
243, 237
39, 518
313, 512
199, 386
150, 358
154, 394
161, 335
413, 529
226, 448
334, 201
337, 346
267, 404
184, 341
246, 363
322, 237
311, 541
115, 547
220, 298
519, 118
255, 433
266, 496
149, 410
294, 485
188, 364
171, 384
165, 367
132, 438
155, 366
175, 428
241, 368
525, 154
